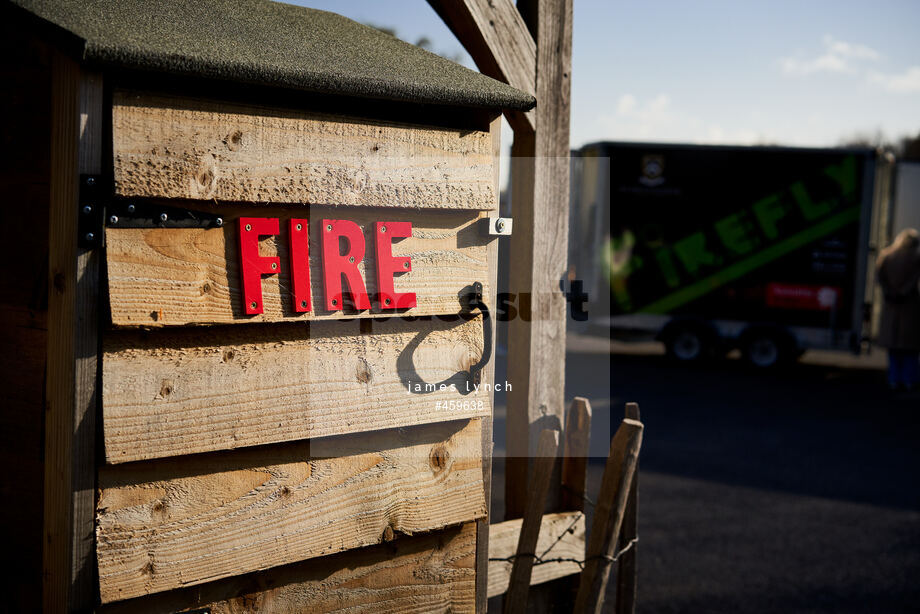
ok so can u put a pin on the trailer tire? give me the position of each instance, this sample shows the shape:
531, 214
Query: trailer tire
688, 342
767, 348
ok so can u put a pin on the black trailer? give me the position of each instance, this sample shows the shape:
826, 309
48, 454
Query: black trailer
709, 248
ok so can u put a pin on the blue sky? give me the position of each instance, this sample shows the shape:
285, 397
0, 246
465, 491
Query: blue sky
714, 71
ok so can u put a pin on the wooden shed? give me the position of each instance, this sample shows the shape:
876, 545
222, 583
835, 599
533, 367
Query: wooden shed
245, 350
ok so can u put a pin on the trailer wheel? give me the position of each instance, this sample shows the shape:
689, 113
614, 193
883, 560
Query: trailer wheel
767, 348
687, 344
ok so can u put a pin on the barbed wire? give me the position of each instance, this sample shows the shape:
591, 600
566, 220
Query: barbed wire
541, 560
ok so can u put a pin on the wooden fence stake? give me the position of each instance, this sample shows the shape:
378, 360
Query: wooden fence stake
627, 569
575, 454
608, 516
521, 568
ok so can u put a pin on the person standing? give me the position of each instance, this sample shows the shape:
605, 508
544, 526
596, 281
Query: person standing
898, 270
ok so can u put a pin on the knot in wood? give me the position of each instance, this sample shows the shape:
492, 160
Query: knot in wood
438, 458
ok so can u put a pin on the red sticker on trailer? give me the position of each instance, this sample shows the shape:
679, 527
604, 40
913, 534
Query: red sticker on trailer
800, 296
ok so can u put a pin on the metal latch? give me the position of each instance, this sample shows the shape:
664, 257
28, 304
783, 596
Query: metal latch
495, 226
474, 300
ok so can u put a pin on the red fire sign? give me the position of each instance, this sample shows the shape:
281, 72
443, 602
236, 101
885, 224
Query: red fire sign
337, 263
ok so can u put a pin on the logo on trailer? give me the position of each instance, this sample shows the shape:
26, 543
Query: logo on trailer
652, 170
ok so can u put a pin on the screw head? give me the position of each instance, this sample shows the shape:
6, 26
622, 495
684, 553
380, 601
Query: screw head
405, 265
351, 259
87, 209
163, 217
90, 181
274, 266
299, 226
90, 236
500, 225
383, 229
335, 302
253, 304
219, 222
386, 301
328, 227
113, 219
303, 304
248, 227
131, 208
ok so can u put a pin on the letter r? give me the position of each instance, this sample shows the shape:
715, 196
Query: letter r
336, 264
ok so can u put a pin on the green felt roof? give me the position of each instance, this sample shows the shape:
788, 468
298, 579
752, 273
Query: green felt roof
269, 43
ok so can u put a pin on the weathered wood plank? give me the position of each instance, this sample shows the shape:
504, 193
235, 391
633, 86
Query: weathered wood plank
608, 516
167, 147
182, 391
432, 572
180, 276
526, 552
58, 542
575, 454
562, 534
185, 521
627, 565
86, 348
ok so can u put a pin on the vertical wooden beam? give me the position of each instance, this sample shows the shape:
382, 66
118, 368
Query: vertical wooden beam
76, 145
62, 237
522, 567
608, 516
627, 566
86, 348
540, 196
482, 525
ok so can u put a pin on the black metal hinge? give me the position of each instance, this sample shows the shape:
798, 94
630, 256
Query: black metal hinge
98, 210
91, 211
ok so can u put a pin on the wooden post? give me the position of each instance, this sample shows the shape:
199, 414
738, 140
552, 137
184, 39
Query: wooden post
540, 199
575, 454
70, 429
522, 567
530, 48
608, 516
627, 571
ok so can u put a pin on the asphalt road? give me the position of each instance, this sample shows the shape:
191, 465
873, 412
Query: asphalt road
787, 491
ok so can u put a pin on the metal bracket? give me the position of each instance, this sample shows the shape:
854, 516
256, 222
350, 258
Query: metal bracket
129, 214
91, 212
495, 226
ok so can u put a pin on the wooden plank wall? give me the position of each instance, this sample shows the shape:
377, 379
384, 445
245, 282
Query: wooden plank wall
277, 462
187, 520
